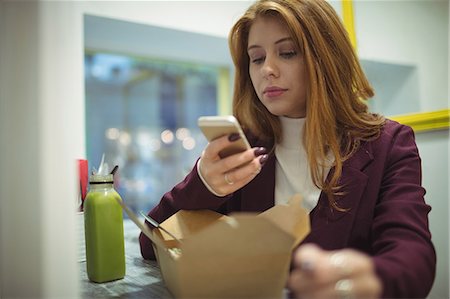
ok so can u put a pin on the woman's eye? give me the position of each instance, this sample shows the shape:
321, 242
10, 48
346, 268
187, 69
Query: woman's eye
257, 60
288, 54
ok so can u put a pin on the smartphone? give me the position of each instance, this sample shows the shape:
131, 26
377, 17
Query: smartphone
214, 127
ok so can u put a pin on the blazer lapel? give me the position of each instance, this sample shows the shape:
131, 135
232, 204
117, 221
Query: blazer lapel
335, 226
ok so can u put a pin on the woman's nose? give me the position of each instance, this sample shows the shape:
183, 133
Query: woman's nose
270, 68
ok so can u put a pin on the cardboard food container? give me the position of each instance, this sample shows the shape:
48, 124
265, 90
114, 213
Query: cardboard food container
236, 256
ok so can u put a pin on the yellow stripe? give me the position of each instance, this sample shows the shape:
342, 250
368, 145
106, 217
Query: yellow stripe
348, 18
223, 92
426, 121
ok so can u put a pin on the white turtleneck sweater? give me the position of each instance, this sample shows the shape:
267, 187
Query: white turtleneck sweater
292, 173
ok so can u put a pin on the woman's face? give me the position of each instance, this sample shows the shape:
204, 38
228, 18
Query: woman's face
277, 69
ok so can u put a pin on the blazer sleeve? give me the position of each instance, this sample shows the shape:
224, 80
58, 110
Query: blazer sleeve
404, 255
190, 194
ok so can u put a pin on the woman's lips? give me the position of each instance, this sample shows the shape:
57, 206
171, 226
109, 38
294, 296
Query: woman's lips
274, 91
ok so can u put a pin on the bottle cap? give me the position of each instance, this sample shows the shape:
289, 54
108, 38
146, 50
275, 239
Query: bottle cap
101, 179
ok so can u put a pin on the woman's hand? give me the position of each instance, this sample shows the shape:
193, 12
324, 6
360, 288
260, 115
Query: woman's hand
343, 273
227, 175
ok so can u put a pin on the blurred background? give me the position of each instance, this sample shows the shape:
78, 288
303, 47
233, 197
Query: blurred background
142, 114
143, 98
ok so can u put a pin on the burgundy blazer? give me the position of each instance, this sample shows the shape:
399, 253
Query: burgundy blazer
387, 216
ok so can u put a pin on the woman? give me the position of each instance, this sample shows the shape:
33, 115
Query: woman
300, 94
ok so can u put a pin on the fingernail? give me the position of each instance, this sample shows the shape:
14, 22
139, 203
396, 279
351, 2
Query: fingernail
263, 159
260, 151
234, 136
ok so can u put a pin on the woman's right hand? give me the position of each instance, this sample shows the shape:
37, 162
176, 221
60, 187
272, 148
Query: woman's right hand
226, 175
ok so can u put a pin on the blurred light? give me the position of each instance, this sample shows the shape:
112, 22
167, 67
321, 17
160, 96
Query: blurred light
182, 133
154, 145
189, 143
143, 139
112, 133
167, 136
125, 138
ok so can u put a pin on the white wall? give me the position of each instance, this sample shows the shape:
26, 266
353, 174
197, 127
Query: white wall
42, 133
42, 123
208, 17
412, 33
434, 150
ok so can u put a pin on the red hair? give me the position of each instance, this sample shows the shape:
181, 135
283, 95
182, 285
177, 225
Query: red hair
337, 117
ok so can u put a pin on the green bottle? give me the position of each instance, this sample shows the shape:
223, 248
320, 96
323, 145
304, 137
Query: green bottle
103, 228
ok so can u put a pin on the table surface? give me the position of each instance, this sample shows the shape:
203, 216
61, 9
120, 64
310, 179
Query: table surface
142, 279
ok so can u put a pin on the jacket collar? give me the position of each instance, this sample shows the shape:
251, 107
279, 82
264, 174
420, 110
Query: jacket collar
353, 181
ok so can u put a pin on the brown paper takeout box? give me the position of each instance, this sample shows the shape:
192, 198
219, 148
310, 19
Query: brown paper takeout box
235, 256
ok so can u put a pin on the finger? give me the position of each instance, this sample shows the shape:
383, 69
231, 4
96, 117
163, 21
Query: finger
357, 274
304, 275
227, 175
246, 171
240, 164
306, 256
348, 262
335, 274
213, 167
363, 286
236, 160
367, 286
214, 147
318, 269
330, 265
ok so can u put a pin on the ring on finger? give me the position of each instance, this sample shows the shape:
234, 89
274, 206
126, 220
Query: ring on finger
258, 170
339, 261
344, 288
227, 180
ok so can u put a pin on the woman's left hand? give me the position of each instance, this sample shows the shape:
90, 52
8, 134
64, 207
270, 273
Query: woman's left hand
343, 273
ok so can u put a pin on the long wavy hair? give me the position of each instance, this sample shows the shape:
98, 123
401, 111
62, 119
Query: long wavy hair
337, 117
